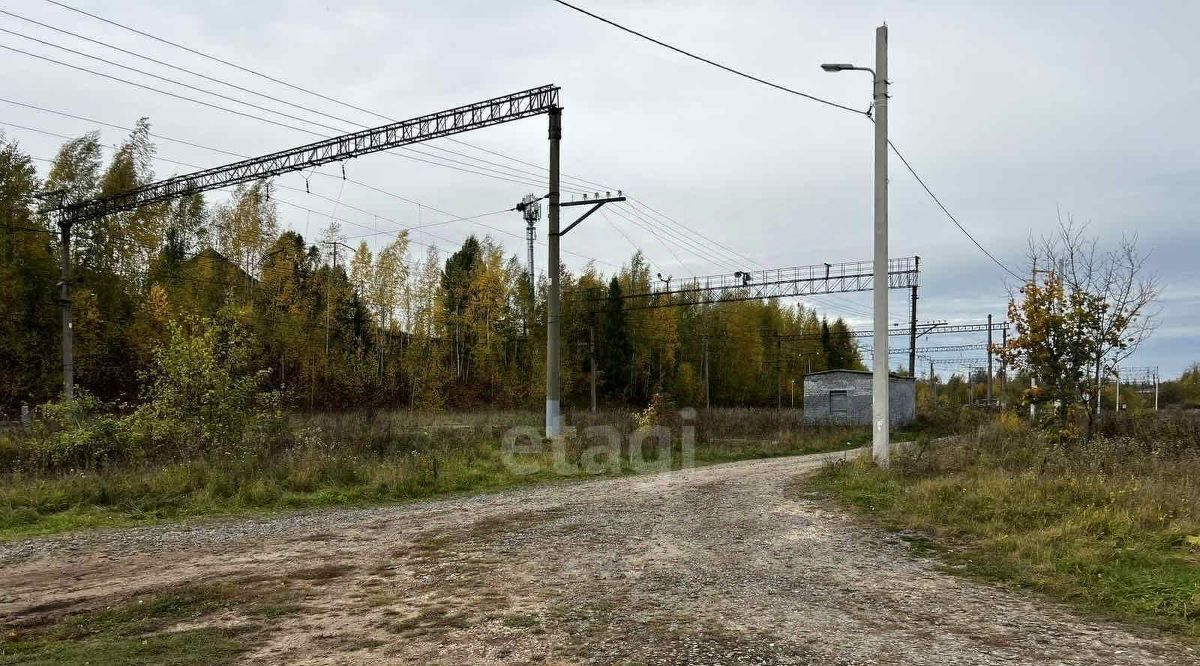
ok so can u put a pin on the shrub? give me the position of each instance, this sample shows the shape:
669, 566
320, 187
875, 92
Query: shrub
202, 397
73, 433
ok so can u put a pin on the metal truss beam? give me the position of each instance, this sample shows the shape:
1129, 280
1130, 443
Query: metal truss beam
958, 362
982, 346
903, 273
966, 328
460, 119
922, 330
1139, 375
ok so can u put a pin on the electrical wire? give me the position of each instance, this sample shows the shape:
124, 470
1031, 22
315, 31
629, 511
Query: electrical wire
228, 153
704, 258
622, 233
707, 255
295, 87
810, 97
290, 116
419, 228
172, 66
655, 236
637, 203
949, 215
504, 177
702, 59
329, 216
452, 217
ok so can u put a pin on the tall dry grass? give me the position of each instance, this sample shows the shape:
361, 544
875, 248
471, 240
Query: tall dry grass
374, 457
1112, 524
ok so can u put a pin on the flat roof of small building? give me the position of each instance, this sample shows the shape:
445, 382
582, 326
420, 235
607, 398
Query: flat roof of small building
868, 373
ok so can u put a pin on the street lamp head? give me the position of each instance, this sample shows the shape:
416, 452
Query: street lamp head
836, 67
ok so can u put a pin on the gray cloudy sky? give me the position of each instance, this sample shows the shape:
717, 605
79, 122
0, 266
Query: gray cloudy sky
1011, 111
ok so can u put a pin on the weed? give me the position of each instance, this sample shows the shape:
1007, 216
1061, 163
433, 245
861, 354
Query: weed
142, 630
357, 459
1105, 524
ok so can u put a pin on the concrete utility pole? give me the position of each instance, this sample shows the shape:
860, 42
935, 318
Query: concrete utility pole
553, 305
707, 391
1004, 366
68, 325
1156, 389
778, 373
553, 417
592, 362
880, 444
912, 330
989, 362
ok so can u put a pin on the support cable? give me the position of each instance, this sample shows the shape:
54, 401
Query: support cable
702, 59
292, 86
807, 96
513, 178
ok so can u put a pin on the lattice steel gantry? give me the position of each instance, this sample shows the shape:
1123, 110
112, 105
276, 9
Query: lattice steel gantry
903, 273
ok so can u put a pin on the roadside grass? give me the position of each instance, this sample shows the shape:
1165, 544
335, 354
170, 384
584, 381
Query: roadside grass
376, 458
1112, 526
146, 629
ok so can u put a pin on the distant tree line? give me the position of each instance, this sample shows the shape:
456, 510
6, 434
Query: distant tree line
336, 325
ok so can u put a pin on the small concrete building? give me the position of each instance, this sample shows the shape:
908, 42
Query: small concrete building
844, 397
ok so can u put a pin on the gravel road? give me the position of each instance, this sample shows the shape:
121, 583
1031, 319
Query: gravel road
730, 564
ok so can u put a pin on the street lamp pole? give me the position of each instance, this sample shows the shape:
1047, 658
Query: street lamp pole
880, 442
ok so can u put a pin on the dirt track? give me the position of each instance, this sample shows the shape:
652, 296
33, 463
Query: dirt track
727, 565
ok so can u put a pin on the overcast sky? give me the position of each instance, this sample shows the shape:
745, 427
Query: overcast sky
1011, 112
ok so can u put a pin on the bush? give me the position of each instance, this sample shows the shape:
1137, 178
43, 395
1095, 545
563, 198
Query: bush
202, 397
73, 433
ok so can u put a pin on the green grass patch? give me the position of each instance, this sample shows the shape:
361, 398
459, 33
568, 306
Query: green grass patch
1112, 526
371, 460
145, 629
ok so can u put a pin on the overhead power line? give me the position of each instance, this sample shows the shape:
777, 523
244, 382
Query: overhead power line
373, 232
714, 63
215, 59
654, 234
470, 168
520, 173
421, 228
172, 66
637, 203
299, 88
167, 80
814, 98
696, 249
624, 235
950, 215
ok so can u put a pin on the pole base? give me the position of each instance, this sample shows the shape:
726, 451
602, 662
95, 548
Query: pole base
553, 420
